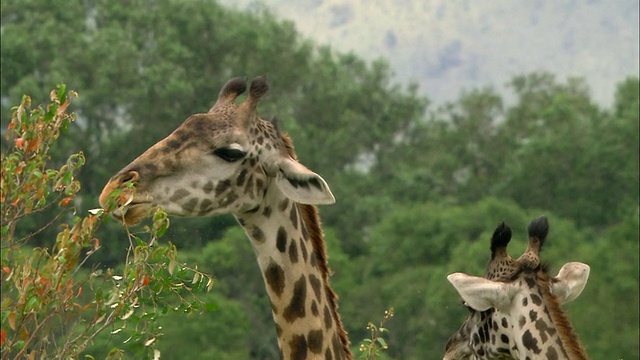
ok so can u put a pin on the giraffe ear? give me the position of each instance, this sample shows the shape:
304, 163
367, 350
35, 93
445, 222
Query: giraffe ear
570, 281
301, 184
481, 294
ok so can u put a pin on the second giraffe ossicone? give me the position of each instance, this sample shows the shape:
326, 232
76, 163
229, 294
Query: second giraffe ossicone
514, 310
229, 160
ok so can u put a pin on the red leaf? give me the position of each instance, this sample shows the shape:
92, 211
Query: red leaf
33, 145
63, 107
65, 201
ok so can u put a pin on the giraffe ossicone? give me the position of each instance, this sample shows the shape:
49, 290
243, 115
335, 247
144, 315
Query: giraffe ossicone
515, 307
229, 160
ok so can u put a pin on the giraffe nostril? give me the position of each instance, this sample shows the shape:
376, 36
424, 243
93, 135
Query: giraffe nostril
131, 176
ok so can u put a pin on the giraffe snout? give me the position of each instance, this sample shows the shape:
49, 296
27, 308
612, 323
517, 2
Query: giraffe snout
117, 182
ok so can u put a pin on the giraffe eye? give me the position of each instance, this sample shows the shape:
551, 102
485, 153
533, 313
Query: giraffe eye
229, 154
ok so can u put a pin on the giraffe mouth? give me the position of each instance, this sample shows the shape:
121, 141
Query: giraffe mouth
133, 210
132, 213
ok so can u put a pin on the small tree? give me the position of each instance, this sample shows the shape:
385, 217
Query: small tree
52, 306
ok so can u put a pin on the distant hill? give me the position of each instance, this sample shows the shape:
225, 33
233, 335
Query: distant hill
448, 46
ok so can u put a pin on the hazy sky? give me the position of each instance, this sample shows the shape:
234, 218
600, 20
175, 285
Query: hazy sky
449, 46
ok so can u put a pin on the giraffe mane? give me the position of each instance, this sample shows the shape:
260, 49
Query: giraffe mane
309, 215
566, 332
288, 145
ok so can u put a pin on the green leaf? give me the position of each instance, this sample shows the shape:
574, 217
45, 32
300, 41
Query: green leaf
62, 93
31, 303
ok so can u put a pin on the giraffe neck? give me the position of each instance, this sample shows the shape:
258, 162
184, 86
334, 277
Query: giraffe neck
290, 249
567, 339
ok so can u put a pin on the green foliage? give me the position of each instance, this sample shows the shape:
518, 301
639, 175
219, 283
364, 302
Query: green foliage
53, 307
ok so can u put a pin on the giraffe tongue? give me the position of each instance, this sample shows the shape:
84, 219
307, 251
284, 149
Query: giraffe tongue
121, 211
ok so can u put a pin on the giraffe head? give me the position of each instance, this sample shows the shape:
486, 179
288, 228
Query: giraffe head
229, 160
219, 162
514, 309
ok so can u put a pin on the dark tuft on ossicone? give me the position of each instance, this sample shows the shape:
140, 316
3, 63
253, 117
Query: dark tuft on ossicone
539, 228
235, 86
501, 237
258, 87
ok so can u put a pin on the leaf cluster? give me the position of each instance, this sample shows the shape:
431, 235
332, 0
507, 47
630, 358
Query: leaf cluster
52, 305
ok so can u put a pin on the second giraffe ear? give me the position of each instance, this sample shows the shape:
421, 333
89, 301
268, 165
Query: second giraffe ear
302, 185
570, 281
481, 294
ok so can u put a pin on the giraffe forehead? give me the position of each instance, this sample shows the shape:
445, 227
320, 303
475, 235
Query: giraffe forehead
502, 270
212, 129
199, 133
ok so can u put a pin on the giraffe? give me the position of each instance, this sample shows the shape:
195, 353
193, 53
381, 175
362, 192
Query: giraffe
230, 160
514, 310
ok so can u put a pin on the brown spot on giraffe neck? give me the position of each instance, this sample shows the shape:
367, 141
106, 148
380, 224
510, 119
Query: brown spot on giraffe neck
275, 278
328, 318
530, 342
293, 252
281, 239
297, 307
298, 346
315, 340
315, 285
303, 249
283, 205
551, 354
257, 235
294, 217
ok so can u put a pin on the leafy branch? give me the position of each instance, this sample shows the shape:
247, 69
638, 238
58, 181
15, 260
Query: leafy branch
370, 348
52, 306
